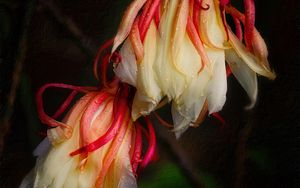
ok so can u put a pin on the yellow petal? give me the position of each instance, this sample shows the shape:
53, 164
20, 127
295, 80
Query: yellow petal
126, 70
248, 58
211, 28
245, 76
170, 80
148, 92
217, 87
127, 22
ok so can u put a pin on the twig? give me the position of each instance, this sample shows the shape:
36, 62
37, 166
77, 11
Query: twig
85, 42
18, 64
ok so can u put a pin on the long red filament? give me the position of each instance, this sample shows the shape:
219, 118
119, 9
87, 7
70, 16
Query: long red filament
195, 38
228, 71
144, 13
220, 118
150, 153
136, 41
110, 134
249, 22
157, 15
104, 67
163, 122
87, 117
40, 105
65, 105
100, 52
113, 149
136, 156
149, 16
238, 29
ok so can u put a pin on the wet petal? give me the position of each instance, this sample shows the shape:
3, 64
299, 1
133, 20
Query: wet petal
127, 22
217, 87
211, 27
170, 80
126, 70
245, 76
248, 58
148, 92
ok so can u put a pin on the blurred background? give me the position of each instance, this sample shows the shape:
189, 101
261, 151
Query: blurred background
44, 41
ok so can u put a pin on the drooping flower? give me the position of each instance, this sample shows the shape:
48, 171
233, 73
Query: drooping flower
96, 144
177, 50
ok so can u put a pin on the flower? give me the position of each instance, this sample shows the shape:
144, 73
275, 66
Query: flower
96, 145
178, 50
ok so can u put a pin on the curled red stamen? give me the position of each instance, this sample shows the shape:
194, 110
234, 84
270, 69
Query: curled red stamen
136, 156
249, 22
157, 15
88, 114
149, 16
228, 71
220, 118
238, 29
199, 4
40, 105
104, 67
195, 38
150, 153
136, 41
65, 105
112, 151
163, 122
224, 2
110, 133
100, 52
144, 13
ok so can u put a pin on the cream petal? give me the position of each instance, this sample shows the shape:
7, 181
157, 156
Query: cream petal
211, 27
190, 103
42, 148
248, 58
148, 92
142, 105
245, 76
127, 69
27, 182
188, 59
179, 27
127, 180
181, 123
217, 87
171, 82
127, 22
121, 168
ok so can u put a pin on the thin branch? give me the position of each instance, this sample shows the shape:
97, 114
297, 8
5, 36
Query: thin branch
85, 42
18, 65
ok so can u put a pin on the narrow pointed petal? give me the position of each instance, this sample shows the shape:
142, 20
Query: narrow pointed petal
245, 76
179, 29
190, 103
181, 123
148, 92
127, 69
217, 87
211, 28
171, 81
248, 58
127, 22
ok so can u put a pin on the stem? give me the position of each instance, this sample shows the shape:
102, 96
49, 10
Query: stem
20, 54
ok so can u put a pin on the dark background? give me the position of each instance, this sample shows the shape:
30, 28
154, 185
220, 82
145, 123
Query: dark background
55, 41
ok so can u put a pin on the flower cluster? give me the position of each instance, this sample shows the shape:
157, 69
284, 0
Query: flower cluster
96, 145
176, 50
